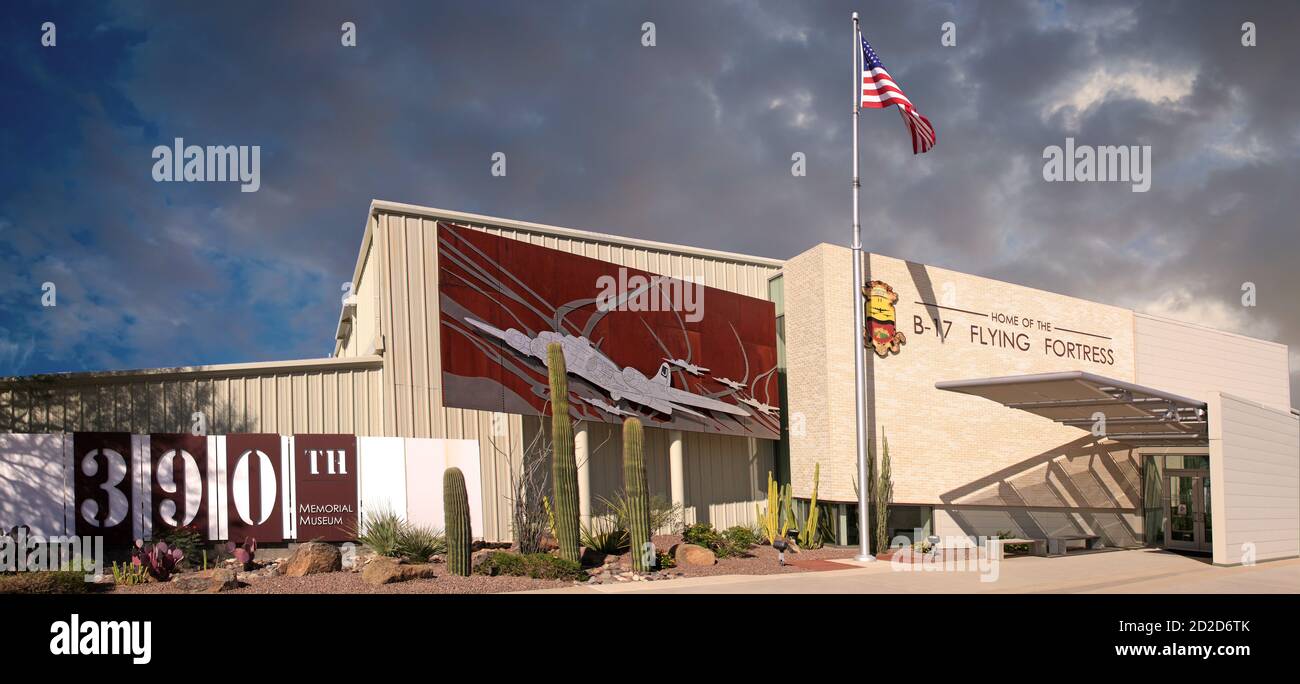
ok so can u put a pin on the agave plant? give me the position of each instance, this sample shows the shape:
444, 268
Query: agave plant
244, 554
605, 535
159, 560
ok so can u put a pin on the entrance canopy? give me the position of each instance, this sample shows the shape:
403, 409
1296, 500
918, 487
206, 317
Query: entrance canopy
1134, 414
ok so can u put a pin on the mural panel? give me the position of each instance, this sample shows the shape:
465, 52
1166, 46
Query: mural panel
676, 354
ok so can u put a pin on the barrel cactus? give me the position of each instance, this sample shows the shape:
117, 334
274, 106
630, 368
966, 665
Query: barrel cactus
564, 467
638, 498
455, 506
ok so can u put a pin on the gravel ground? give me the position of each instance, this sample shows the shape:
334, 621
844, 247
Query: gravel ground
761, 560
351, 583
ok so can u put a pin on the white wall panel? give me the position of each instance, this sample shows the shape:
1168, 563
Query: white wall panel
289, 487
426, 460
382, 476
34, 489
141, 489
1255, 480
1193, 360
221, 504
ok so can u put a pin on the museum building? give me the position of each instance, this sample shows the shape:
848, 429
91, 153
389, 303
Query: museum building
1005, 408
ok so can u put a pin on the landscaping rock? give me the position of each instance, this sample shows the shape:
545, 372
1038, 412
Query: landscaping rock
690, 554
313, 558
389, 570
212, 581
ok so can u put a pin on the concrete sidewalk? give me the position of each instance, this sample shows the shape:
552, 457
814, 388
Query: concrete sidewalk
1130, 571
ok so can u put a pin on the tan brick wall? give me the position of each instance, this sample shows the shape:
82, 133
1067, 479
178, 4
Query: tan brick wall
949, 449
819, 370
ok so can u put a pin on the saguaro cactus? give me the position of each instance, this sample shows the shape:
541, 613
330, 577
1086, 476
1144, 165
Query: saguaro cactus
564, 467
455, 507
638, 497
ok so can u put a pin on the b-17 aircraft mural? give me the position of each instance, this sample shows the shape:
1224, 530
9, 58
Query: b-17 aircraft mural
687, 366
590, 364
765, 409
607, 408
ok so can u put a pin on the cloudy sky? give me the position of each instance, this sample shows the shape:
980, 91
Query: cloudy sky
687, 141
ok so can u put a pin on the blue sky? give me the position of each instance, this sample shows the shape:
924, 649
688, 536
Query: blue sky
689, 141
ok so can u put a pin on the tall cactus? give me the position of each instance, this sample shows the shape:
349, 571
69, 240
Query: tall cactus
883, 496
808, 536
455, 507
564, 467
778, 517
638, 497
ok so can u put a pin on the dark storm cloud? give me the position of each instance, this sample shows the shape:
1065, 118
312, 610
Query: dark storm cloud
689, 141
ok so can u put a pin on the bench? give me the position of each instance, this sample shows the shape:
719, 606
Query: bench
1056, 545
1038, 547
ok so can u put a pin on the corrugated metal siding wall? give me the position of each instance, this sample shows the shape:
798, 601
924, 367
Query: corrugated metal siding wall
319, 399
725, 475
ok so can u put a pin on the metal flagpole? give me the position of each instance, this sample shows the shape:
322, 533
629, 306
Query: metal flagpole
859, 386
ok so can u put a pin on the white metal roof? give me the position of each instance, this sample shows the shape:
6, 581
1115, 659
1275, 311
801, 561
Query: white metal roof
1133, 414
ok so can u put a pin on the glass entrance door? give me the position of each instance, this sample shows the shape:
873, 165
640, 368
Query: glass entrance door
1188, 497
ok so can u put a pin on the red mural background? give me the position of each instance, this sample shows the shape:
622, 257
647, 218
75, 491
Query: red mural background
182, 481
247, 515
326, 500
103, 472
508, 283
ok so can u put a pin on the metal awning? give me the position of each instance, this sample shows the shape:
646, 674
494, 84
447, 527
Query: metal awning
1135, 415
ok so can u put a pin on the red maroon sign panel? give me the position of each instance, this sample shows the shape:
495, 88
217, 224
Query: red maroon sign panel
178, 466
674, 353
254, 487
325, 475
101, 485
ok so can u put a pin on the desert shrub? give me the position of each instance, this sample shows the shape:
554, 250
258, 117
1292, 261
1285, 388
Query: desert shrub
605, 535
702, 534
419, 542
388, 534
740, 537
664, 514
189, 540
129, 574
382, 533
735, 541
534, 565
48, 582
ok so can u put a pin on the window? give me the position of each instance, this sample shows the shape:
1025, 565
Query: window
913, 522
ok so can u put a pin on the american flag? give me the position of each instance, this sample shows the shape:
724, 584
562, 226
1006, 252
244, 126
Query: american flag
879, 91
